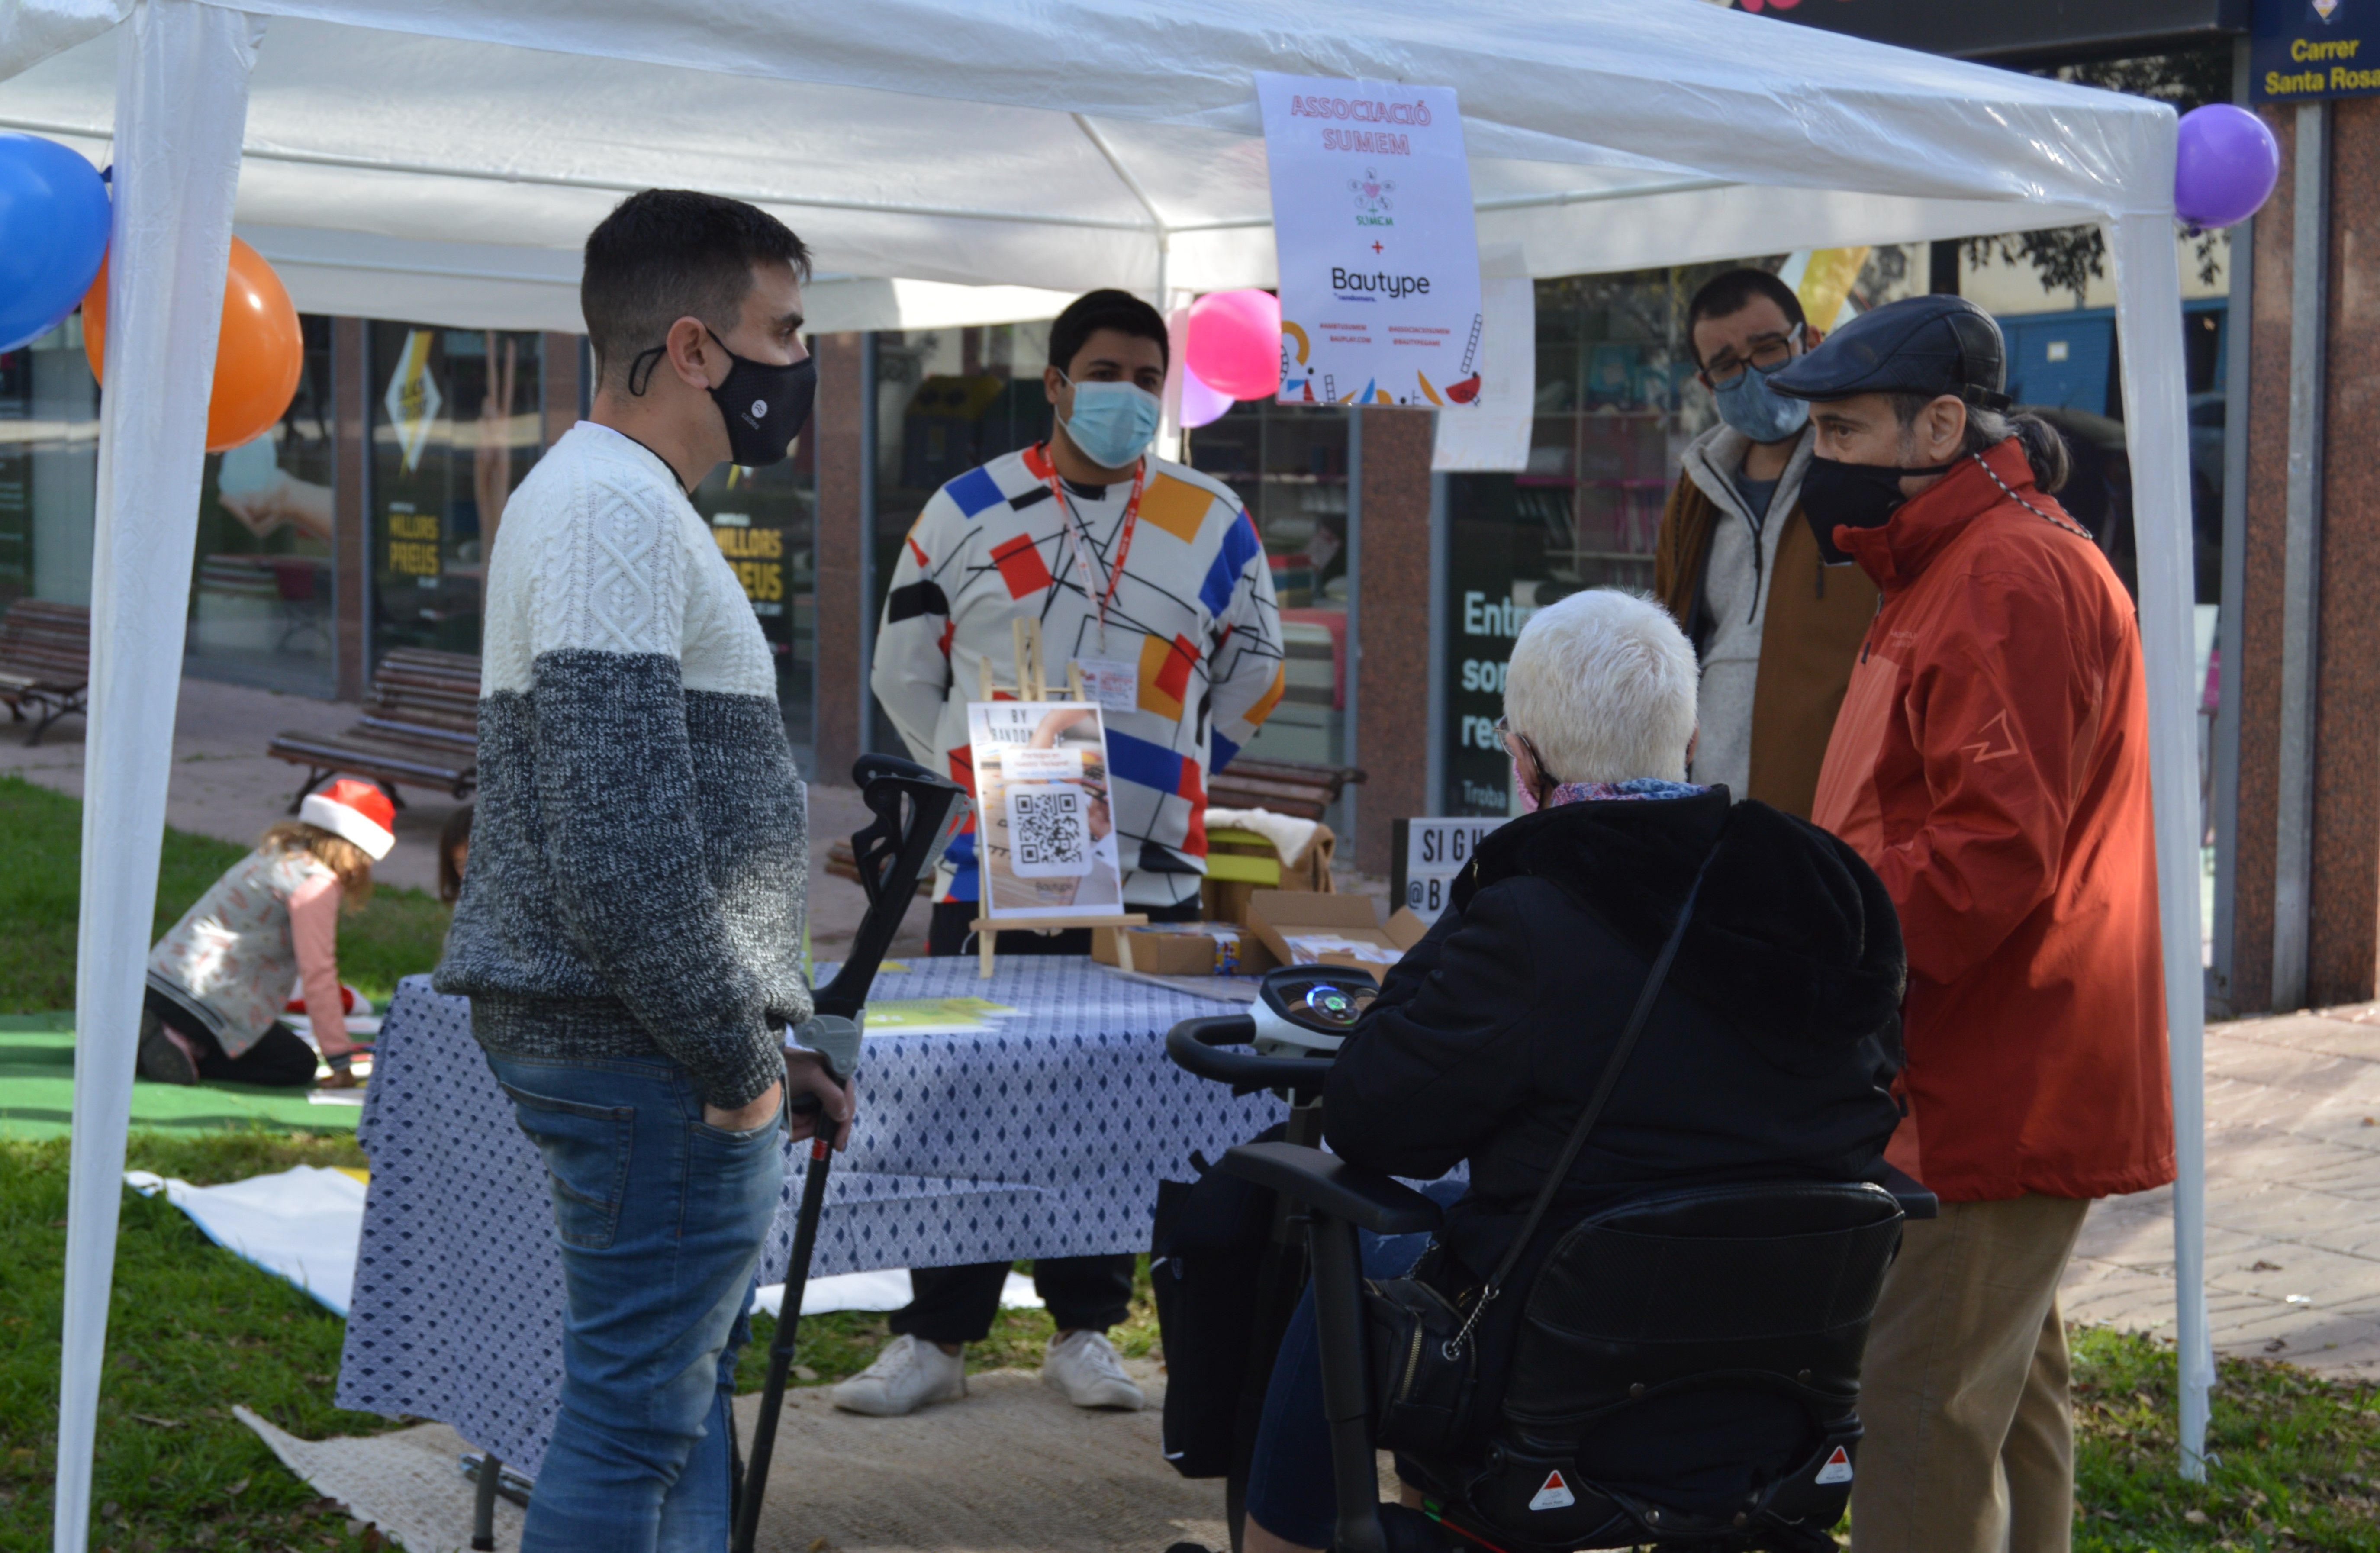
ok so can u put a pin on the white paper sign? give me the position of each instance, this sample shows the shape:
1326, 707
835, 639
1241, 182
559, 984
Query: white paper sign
1045, 837
1436, 852
1496, 430
1379, 249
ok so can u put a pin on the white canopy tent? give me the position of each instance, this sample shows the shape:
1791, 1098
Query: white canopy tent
448, 156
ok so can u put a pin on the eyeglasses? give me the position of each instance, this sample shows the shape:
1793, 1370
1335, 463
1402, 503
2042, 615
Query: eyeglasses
1510, 736
1769, 353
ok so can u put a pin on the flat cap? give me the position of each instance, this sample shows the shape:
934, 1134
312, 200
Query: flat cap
1920, 345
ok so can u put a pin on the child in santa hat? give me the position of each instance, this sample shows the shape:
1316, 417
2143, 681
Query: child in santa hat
217, 982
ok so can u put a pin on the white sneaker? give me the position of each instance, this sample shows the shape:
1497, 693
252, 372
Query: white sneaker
1084, 1366
904, 1377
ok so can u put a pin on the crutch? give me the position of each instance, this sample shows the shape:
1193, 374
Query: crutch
911, 808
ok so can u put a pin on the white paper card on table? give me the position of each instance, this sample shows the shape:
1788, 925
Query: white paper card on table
1045, 836
1378, 248
1113, 683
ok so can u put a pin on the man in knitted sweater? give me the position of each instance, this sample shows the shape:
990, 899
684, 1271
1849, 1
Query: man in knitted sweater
630, 930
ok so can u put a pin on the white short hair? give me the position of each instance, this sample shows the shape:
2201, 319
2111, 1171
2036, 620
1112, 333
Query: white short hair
1602, 685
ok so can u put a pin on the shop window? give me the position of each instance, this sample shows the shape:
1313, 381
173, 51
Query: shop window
262, 590
1288, 464
456, 425
766, 523
49, 469
1611, 422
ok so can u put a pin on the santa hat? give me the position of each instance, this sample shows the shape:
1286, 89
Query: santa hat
355, 811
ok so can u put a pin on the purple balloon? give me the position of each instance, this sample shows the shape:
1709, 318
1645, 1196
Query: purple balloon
1201, 404
2225, 167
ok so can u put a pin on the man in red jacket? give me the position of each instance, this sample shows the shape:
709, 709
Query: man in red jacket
1991, 762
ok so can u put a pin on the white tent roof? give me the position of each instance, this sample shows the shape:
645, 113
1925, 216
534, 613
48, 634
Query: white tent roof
445, 161
440, 158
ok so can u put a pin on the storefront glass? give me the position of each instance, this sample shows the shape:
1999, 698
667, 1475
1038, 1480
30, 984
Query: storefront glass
1288, 464
263, 595
49, 444
1612, 420
766, 523
455, 428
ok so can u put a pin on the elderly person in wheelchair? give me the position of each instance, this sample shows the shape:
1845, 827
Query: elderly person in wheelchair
1672, 1353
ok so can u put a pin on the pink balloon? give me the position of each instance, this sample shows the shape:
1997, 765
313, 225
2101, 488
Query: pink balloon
1201, 404
1235, 343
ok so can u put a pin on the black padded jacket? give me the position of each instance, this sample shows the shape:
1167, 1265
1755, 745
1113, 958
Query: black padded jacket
1769, 1055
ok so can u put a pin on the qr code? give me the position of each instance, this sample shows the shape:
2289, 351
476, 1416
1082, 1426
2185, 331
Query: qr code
1048, 830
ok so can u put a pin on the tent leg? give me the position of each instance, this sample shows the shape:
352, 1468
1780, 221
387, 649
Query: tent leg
181, 107
2148, 313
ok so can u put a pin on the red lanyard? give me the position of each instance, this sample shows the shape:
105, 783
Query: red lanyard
1082, 540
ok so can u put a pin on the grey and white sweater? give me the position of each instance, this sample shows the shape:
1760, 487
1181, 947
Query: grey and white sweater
638, 863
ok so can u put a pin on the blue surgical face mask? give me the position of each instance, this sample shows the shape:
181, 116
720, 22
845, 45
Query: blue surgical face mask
1114, 422
1759, 411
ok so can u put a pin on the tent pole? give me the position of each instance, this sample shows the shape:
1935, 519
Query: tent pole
2148, 313
181, 102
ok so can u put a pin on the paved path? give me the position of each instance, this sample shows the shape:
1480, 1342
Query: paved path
2293, 1201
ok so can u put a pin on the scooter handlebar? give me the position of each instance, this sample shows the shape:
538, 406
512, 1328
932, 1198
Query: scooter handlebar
1196, 1045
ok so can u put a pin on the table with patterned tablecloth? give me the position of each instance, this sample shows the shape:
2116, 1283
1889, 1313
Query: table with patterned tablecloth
1044, 1135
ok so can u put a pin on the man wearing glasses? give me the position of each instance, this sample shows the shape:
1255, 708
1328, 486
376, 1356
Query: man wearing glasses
1775, 629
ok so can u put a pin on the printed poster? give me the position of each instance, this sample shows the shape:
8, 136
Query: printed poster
1379, 249
1044, 834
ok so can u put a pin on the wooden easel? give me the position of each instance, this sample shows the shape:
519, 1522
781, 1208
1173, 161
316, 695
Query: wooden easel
1033, 685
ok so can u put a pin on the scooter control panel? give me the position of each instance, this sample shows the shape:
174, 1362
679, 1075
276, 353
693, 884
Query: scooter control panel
1303, 1011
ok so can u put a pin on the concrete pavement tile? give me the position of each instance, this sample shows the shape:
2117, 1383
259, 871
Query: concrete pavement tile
2334, 1033
2290, 1067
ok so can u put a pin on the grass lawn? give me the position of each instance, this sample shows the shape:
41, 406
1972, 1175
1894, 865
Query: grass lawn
192, 1330
397, 934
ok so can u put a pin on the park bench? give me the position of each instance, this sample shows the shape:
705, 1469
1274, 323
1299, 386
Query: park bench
420, 728
1294, 787
45, 662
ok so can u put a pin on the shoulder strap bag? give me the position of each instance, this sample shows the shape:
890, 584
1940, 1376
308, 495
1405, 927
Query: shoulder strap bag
1424, 1364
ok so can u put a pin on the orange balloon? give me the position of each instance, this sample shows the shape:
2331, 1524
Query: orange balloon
258, 354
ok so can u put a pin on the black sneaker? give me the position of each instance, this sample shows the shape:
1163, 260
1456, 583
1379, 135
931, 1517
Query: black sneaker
165, 1062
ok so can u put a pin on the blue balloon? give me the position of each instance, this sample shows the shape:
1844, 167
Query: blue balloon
54, 217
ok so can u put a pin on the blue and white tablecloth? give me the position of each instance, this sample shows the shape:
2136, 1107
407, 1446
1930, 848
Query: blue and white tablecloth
1044, 1135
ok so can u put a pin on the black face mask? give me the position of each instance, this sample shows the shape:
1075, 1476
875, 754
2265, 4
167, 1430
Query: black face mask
1840, 496
765, 406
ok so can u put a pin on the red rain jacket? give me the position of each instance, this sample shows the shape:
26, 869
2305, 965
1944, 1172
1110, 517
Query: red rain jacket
1991, 762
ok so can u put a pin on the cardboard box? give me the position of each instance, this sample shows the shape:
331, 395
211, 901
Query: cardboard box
1228, 887
1180, 948
1278, 917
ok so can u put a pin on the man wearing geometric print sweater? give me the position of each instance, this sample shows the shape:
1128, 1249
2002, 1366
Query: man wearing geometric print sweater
1151, 576
629, 933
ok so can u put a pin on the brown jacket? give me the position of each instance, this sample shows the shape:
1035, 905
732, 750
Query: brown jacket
1809, 638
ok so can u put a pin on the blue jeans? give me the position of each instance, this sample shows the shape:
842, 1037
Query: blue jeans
661, 1219
1289, 1491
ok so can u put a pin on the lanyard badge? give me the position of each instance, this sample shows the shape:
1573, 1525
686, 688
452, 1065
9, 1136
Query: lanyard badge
1081, 536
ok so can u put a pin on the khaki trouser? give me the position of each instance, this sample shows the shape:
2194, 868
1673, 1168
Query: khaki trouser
1970, 1444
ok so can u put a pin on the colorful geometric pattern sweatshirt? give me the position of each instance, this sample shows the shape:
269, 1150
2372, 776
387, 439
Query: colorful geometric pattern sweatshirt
639, 862
1192, 611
